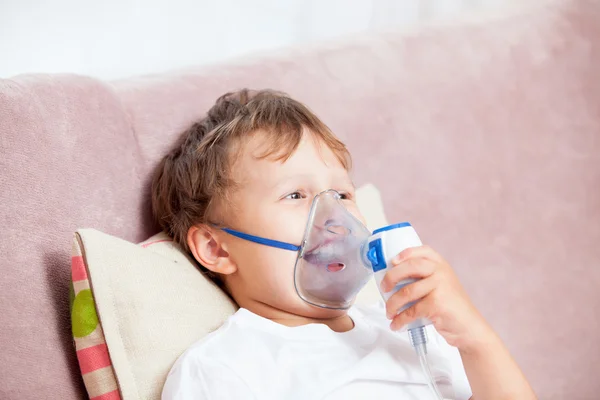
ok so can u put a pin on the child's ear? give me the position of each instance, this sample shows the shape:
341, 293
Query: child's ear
208, 250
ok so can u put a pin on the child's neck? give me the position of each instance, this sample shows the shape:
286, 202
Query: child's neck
342, 323
338, 323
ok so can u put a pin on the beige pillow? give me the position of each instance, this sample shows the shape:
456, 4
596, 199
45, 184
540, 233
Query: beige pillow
147, 303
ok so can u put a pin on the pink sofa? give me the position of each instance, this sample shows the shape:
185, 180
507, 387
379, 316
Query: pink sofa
485, 135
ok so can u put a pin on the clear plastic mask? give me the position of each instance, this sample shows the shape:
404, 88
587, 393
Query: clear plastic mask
330, 269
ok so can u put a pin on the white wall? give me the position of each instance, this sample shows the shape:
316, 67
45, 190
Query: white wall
117, 38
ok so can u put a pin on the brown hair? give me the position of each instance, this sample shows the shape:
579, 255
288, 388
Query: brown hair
196, 174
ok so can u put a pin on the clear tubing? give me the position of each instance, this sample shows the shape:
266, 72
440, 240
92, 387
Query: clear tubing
418, 338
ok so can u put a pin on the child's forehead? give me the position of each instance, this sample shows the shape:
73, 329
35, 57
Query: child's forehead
311, 157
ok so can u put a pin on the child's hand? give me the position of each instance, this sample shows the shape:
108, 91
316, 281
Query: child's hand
441, 298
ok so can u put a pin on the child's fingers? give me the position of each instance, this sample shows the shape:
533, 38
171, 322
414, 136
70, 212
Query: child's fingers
417, 310
409, 293
412, 268
417, 252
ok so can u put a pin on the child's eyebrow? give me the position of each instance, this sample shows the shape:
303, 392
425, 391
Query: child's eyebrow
300, 179
344, 182
349, 182
296, 179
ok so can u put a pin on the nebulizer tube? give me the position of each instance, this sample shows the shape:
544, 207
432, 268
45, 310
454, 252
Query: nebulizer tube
418, 338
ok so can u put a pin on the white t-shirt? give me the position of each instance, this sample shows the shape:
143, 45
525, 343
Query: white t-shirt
251, 357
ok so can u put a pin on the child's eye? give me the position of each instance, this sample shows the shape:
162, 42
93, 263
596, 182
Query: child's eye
345, 196
295, 196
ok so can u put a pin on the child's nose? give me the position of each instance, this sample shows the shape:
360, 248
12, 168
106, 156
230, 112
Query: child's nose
336, 227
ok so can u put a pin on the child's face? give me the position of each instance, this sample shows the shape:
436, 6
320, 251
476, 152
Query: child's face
273, 200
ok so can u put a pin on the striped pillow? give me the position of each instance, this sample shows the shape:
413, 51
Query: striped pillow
123, 297
92, 352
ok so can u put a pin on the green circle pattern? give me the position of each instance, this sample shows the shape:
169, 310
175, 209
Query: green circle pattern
83, 314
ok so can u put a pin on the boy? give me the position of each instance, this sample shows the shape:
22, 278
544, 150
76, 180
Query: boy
254, 164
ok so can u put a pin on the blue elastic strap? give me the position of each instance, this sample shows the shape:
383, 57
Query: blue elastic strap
260, 240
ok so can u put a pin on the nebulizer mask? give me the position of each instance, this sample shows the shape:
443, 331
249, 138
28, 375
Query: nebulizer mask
338, 255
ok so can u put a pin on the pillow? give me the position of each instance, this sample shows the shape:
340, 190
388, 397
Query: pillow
136, 308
